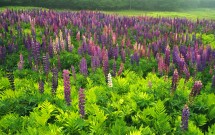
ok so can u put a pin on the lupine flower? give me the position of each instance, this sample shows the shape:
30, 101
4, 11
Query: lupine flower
10, 77
181, 65
54, 80
110, 84
41, 86
174, 80
50, 49
78, 36
185, 118
123, 55
196, 89
186, 71
105, 64
58, 62
160, 64
73, 72
81, 102
62, 44
83, 67
167, 57
21, 62
120, 69
66, 80
46, 63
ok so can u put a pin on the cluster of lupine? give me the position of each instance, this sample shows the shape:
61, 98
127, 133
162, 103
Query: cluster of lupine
67, 89
105, 39
110, 84
81, 102
195, 90
185, 118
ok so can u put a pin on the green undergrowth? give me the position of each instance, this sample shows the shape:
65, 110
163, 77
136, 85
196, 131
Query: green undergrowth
134, 106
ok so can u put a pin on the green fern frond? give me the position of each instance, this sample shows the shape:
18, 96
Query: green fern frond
211, 130
200, 120
42, 113
10, 123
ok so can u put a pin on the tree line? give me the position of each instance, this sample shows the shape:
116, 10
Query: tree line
153, 5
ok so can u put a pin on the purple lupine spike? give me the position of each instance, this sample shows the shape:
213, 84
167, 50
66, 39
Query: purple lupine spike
185, 118
21, 62
120, 69
93, 63
213, 82
2, 54
199, 62
186, 71
175, 78
167, 57
123, 55
73, 72
46, 63
116, 52
160, 64
54, 80
81, 102
181, 64
136, 57
196, 89
58, 62
41, 86
114, 68
175, 55
66, 80
83, 67
105, 65
50, 49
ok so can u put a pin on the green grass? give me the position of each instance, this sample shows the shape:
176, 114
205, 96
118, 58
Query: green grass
190, 14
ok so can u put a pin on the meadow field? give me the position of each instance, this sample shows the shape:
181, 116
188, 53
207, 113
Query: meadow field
121, 72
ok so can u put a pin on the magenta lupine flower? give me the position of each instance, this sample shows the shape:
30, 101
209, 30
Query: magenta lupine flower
66, 80
167, 57
46, 63
199, 62
175, 78
81, 102
196, 89
41, 86
120, 69
105, 64
123, 55
73, 72
181, 65
185, 118
54, 80
83, 67
186, 71
50, 50
160, 64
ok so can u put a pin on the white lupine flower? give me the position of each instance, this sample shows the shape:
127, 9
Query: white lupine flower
110, 84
